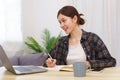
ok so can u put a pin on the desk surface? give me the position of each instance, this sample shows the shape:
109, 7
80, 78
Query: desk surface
54, 74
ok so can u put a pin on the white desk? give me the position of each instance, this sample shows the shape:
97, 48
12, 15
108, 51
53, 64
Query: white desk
54, 74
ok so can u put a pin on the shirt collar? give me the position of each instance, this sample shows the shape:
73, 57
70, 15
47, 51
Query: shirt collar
84, 37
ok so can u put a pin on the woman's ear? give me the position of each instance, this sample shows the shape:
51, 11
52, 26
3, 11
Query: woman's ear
75, 19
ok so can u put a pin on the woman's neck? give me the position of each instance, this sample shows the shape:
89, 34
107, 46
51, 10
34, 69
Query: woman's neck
76, 33
75, 36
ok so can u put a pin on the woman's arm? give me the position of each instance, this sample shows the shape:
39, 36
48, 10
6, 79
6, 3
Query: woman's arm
102, 56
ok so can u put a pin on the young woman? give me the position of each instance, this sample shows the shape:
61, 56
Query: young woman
79, 45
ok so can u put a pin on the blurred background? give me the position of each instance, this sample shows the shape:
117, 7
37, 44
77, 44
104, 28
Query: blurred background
22, 18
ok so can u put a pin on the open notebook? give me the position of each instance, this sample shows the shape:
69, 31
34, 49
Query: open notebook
18, 69
68, 68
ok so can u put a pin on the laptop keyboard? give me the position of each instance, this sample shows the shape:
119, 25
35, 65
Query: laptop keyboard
28, 68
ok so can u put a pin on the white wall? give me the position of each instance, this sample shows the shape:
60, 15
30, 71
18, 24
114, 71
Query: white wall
116, 36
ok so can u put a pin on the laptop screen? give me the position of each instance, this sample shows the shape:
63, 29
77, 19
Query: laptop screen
5, 60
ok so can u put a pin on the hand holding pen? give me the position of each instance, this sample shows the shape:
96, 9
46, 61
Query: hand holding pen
50, 61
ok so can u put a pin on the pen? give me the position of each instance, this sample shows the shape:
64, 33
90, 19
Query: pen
50, 56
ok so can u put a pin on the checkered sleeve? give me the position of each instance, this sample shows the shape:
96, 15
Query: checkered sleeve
102, 56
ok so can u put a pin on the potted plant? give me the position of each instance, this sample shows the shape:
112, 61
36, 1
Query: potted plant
48, 42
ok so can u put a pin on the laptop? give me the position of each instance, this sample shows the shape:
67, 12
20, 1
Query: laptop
18, 69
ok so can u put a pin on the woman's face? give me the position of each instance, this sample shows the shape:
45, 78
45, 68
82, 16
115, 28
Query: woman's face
66, 23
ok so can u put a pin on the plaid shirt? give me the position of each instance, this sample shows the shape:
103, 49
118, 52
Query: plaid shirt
96, 52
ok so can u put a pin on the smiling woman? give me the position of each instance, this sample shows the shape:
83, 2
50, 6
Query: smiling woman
78, 45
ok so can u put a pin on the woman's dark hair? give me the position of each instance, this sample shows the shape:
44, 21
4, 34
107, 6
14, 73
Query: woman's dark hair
70, 11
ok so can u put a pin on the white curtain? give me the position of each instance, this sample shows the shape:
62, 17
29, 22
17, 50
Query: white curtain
10, 25
102, 17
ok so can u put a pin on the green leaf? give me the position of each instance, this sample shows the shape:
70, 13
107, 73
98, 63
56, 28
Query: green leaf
33, 44
48, 42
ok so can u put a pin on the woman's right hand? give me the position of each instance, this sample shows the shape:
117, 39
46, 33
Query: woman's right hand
50, 62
